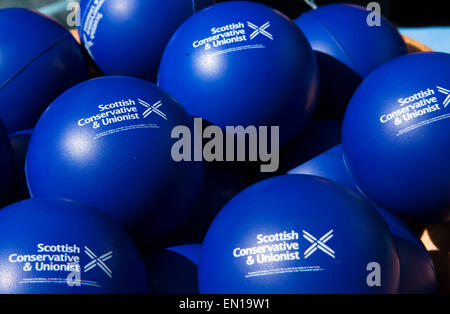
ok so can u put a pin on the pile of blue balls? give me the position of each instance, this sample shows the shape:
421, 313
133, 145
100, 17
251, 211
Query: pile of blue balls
114, 177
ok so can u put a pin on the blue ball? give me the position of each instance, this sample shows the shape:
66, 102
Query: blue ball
107, 142
395, 137
173, 270
19, 143
329, 165
128, 37
316, 138
41, 60
60, 246
347, 51
6, 162
297, 234
242, 63
417, 274
220, 186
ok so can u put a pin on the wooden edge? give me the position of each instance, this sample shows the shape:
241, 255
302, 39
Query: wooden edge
414, 45
74, 33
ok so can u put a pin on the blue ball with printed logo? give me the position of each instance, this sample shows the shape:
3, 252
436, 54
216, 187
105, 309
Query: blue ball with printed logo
39, 59
298, 234
349, 42
66, 247
395, 137
128, 37
108, 142
331, 166
417, 273
242, 63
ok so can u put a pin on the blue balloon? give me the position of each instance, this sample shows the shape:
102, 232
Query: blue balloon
40, 59
417, 273
107, 142
173, 270
6, 162
19, 143
128, 37
242, 63
395, 137
347, 51
298, 234
65, 247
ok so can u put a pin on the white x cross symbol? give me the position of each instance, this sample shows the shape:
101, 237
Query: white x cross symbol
98, 261
445, 92
152, 108
260, 30
319, 244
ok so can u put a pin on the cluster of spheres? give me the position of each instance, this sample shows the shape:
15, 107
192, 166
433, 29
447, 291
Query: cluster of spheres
105, 186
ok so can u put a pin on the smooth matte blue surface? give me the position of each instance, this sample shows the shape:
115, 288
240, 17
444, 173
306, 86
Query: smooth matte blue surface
221, 185
39, 59
19, 143
397, 148
331, 165
353, 231
6, 162
347, 50
417, 274
317, 137
31, 263
258, 69
190, 251
128, 37
120, 162
173, 270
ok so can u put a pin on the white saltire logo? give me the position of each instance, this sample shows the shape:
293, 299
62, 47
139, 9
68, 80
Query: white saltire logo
318, 244
88, 44
98, 261
445, 92
260, 30
152, 109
